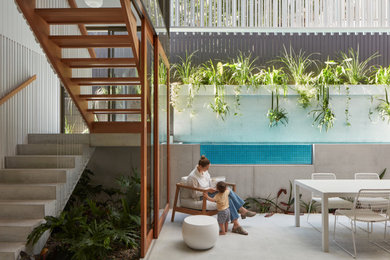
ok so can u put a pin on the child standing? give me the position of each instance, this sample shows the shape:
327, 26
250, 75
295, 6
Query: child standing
222, 200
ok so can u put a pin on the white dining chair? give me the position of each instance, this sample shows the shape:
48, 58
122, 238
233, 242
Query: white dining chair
362, 212
369, 200
333, 203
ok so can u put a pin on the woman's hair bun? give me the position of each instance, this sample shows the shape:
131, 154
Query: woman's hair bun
203, 161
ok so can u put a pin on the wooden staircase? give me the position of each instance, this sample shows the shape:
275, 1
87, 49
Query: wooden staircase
40, 21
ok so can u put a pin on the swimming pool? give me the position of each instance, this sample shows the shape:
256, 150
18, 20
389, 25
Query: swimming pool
258, 153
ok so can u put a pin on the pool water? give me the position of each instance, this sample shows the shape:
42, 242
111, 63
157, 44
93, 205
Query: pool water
258, 153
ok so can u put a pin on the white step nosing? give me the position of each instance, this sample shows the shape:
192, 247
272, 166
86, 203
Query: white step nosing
20, 222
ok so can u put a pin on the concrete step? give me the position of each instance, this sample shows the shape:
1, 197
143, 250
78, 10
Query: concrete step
17, 230
58, 139
33, 175
50, 149
26, 209
28, 191
40, 161
11, 250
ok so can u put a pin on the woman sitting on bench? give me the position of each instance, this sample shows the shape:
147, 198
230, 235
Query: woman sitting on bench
200, 178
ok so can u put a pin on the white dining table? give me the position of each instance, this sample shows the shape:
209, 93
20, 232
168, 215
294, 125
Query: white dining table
332, 188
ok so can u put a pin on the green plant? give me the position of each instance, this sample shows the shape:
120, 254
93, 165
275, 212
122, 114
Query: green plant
276, 115
92, 229
346, 111
306, 94
162, 74
382, 174
240, 73
174, 96
297, 65
382, 76
384, 108
185, 71
332, 74
356, 71
323, 114
306, 205
259, 205
69, 128
242, 70
214, 75
275, 78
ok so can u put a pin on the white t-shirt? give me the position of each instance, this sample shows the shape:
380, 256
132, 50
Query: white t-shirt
199, 180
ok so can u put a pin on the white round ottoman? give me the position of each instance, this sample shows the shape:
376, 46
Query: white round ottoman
200, 232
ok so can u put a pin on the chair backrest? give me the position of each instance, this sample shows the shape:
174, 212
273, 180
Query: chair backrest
372, 199
323, 176
366, 176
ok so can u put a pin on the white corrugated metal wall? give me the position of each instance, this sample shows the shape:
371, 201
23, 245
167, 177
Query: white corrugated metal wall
35, 109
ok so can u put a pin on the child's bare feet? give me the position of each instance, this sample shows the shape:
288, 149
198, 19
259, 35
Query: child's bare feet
221, 233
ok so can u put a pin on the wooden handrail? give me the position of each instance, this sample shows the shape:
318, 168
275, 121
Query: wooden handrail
17, 89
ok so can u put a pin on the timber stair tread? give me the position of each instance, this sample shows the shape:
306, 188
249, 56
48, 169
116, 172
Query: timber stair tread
100, 62
117, 127
106, 81
117, 97
91, 41
114, 111
81, 15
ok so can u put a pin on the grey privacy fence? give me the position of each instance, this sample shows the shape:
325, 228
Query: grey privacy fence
280, 13
266, 47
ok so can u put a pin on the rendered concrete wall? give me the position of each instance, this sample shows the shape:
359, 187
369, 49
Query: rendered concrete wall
109, 163
265, 180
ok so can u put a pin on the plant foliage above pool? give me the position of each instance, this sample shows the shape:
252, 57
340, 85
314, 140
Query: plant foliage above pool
310, 78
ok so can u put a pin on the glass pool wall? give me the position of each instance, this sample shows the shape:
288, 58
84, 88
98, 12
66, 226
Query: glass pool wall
200, 124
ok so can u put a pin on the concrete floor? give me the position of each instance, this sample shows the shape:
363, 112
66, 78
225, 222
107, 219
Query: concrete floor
270, 238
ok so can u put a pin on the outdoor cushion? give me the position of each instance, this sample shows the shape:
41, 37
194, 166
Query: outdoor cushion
187, 201
197, 204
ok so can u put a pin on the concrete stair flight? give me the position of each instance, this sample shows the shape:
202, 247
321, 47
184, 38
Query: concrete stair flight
35, 183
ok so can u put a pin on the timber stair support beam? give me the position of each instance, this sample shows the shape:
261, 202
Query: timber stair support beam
115, 111
100, 62
82, 15
53, 52
91, 41
131, 26
132, 81
117, 97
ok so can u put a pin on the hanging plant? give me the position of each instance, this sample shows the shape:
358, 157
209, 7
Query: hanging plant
323, 115
306, 94
276, 79
276, 114
214, 75
384, 108
185, 72
174, 96
347, 103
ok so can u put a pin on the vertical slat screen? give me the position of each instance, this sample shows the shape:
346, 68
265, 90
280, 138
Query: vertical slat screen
280, 13
35, 109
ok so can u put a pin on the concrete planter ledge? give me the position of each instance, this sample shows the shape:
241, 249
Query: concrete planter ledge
265, 90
